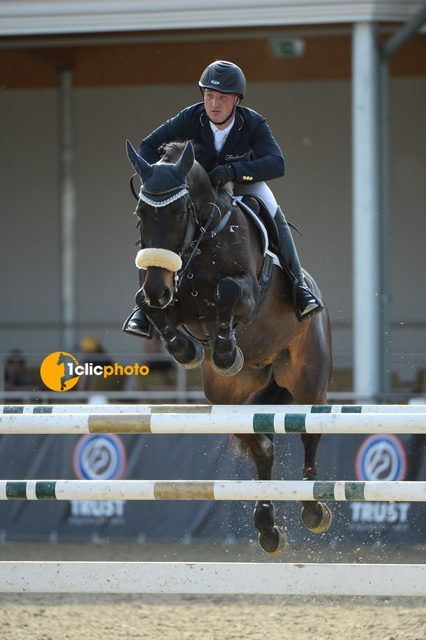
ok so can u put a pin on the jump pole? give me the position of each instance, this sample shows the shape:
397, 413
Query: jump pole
213, 423
206, 408
385, 491
211, 578
214, 578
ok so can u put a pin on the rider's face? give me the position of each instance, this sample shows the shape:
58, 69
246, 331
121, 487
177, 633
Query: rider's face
219, 106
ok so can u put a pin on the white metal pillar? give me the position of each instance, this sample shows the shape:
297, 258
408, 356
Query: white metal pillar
385, 231
365, 188
67, 209
389, 48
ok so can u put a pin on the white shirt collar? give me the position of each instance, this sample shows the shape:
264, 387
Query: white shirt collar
220, 135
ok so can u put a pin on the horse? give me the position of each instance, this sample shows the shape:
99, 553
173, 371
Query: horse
207, 292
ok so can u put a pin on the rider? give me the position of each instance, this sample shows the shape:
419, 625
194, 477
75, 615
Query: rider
238, 147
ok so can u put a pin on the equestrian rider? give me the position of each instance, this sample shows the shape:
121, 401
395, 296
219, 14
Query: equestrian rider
238, 147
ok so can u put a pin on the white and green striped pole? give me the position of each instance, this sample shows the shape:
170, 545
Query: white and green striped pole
383, 491
212, 423
207, 408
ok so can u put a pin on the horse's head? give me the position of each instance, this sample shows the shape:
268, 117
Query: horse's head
167, 221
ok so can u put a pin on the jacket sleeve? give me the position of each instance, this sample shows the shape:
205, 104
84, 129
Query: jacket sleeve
266, 160
177, 128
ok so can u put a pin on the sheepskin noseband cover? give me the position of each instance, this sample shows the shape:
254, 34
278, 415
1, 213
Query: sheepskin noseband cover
158, 258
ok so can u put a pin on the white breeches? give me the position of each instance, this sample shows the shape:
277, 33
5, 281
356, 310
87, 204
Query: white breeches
262, 191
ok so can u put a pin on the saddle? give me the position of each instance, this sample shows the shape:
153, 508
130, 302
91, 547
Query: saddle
256, 206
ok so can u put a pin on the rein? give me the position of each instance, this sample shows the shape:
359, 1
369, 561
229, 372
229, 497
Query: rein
193, 249
204, 229
204, 235
132, 187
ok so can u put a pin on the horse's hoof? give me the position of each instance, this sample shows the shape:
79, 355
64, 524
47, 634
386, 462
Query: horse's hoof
274, 543
198, 358
234, 368
317, 520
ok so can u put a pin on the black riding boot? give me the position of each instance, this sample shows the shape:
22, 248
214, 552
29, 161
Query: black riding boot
137, 324
305, 302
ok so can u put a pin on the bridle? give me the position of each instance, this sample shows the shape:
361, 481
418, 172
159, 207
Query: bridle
190, 247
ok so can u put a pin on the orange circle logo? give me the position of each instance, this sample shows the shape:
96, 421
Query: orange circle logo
57, 371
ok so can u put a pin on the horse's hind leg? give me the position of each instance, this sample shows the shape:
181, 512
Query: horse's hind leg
315, 515
272, 538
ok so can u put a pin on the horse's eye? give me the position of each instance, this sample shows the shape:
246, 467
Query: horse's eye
182, 216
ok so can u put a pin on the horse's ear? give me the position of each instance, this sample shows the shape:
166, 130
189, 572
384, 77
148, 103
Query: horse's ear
142, 168
184, 165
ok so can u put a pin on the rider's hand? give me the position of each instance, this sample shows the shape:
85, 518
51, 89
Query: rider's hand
222, 174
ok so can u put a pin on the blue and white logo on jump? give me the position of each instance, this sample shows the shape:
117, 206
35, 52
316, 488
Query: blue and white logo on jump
99, 457
381, 457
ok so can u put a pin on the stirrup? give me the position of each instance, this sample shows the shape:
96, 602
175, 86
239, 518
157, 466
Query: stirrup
137, 324
307, 305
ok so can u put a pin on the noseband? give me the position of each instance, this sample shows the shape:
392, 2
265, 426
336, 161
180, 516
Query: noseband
170, 260
164, 258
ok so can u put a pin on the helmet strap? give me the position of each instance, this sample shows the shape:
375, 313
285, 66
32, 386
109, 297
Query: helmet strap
231, 115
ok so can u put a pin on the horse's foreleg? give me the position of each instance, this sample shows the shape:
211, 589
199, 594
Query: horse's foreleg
272, 538
316, 515
227, 358
187, 352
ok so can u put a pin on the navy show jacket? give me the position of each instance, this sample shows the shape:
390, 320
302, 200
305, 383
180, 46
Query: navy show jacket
250, 145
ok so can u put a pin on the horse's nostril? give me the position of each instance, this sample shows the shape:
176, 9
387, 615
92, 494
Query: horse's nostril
166, 297
159, 300
147, 299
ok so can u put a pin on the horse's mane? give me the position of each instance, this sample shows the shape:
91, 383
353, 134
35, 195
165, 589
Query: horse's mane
171, 151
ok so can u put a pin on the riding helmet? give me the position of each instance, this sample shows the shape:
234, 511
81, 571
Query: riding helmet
225, 77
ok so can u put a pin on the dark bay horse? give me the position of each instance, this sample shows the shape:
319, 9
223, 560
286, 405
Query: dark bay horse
202, 258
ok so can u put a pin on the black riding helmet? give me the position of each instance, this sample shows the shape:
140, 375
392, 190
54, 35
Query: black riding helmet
225, 77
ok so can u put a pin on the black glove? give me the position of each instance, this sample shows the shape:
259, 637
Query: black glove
222, 174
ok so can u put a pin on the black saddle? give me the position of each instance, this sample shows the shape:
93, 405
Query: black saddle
256, 205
